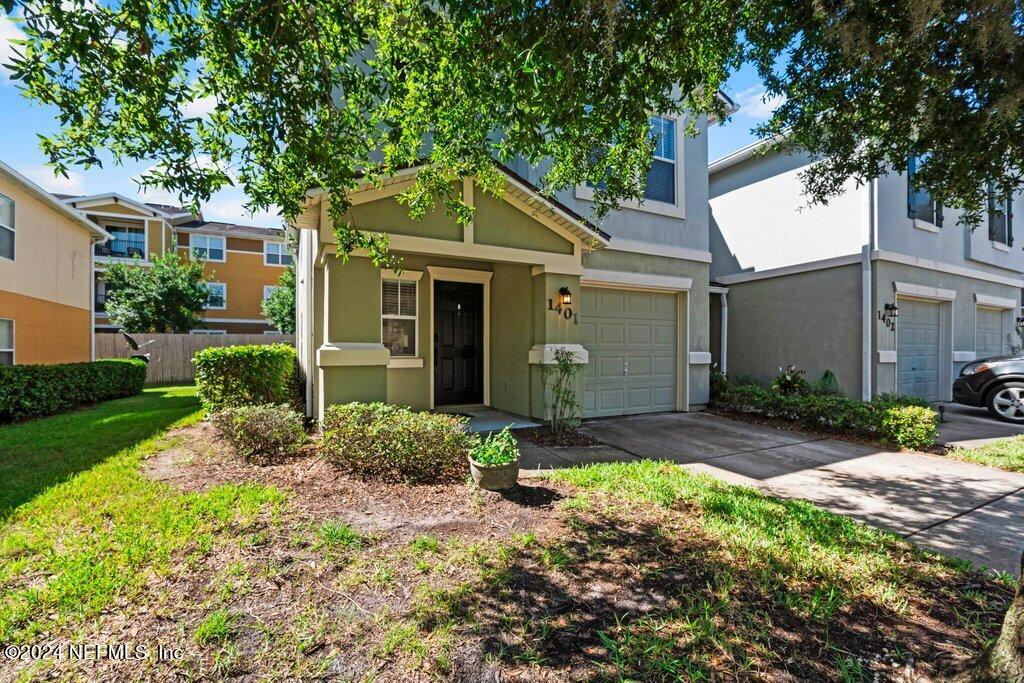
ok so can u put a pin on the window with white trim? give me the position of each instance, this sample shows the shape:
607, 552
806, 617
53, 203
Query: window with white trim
6, 342
208, 247
1000, 216
216, 295
398, 316
276, 254
6, 227
920, 205
268, 290
661, 179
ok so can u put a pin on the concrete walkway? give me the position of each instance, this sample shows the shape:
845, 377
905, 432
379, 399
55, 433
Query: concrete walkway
947, 506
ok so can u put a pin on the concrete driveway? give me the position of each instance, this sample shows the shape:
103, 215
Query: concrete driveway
947, 506
972, 427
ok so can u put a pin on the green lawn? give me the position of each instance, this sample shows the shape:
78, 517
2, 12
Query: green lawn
1007, 454
623, 571
81, 521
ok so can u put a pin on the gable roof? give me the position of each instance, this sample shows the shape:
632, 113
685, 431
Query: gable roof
155, 210
742, 154
54, 203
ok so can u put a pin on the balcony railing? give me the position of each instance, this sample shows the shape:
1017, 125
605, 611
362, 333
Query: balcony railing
122, 249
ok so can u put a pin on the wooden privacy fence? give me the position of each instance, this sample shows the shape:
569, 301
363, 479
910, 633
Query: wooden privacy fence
170, 355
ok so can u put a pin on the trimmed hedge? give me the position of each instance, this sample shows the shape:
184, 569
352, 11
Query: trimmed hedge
905, 421
257, 374
36, 390
390, 443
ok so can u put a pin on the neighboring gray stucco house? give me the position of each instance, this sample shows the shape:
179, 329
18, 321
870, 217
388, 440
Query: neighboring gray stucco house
810, 285
474, 314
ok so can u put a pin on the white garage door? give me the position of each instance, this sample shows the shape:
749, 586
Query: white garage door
918, 349
989, 334
631, 338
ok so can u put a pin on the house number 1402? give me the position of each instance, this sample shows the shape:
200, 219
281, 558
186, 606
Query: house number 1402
566, 312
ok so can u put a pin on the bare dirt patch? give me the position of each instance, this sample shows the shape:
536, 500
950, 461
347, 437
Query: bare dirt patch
544, 436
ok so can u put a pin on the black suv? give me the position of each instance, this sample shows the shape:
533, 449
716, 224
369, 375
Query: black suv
997, 384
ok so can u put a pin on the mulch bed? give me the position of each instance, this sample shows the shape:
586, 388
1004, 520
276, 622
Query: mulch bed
601, 568
544, 436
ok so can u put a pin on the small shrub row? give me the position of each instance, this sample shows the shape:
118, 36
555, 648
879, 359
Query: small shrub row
28, 391
904, 421
257, 374
391, 443
261, 434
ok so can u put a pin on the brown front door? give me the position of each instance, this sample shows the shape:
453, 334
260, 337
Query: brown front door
458, 342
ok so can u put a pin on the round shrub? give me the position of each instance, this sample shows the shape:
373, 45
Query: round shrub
909, 426
256, 374
390, 443
261, 434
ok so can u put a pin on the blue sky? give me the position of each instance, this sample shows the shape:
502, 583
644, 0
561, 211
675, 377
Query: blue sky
21, 122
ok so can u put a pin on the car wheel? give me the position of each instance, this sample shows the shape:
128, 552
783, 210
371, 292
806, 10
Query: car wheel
1006, 402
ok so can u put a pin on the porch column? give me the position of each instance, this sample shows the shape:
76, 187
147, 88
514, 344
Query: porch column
352, 362
555, 326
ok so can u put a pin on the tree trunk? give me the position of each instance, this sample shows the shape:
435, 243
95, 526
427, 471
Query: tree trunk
1006, 660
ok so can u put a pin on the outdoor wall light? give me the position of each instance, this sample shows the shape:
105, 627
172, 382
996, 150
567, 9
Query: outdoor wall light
892, 310
566, 296
1020, 321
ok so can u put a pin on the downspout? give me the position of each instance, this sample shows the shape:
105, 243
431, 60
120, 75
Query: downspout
725, 332
866, 301
92, 298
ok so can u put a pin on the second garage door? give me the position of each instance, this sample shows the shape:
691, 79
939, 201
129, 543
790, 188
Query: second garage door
989, 336
631, 338
917, 360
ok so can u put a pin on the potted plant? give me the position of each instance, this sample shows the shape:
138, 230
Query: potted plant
494, 462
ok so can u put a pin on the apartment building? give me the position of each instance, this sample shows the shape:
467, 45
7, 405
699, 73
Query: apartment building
242, 263
45, 275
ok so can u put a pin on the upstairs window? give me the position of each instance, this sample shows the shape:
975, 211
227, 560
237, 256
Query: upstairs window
208, 248
216, 295
6, 342
920, 205
6, 227
661, 179
276, 254
398, 316
1000, 216
268, 290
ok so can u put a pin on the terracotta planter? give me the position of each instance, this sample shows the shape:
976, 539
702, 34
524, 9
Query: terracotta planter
495, 477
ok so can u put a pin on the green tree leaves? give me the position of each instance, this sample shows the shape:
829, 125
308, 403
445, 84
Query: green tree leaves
279, 307
163, 297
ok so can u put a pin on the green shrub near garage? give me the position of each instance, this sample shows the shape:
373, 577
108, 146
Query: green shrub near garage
28, 391
904, 421
255, 374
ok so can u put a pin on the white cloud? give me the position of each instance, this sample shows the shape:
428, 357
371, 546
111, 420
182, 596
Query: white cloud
43, 176
230, 208
756, 104
200, 107
8, 31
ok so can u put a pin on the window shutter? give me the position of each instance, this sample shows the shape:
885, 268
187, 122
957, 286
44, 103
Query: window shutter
911, 206
938, 215
389, 297
991, 211
1009, 219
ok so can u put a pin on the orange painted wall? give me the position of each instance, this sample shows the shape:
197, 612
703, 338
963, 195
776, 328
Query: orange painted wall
46, 332
245, 276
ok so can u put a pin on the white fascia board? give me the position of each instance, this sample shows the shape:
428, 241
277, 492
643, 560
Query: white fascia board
924, 291
928, 264
55, 203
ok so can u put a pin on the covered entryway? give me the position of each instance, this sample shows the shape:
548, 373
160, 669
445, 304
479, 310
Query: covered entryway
918, 351
632, 338
989, 332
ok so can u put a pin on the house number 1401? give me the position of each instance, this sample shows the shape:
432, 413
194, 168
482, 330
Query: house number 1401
566, 312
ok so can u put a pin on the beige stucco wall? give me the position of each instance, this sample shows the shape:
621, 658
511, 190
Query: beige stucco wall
52, 252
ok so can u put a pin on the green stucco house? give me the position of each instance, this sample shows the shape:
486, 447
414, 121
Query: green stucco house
478, 310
